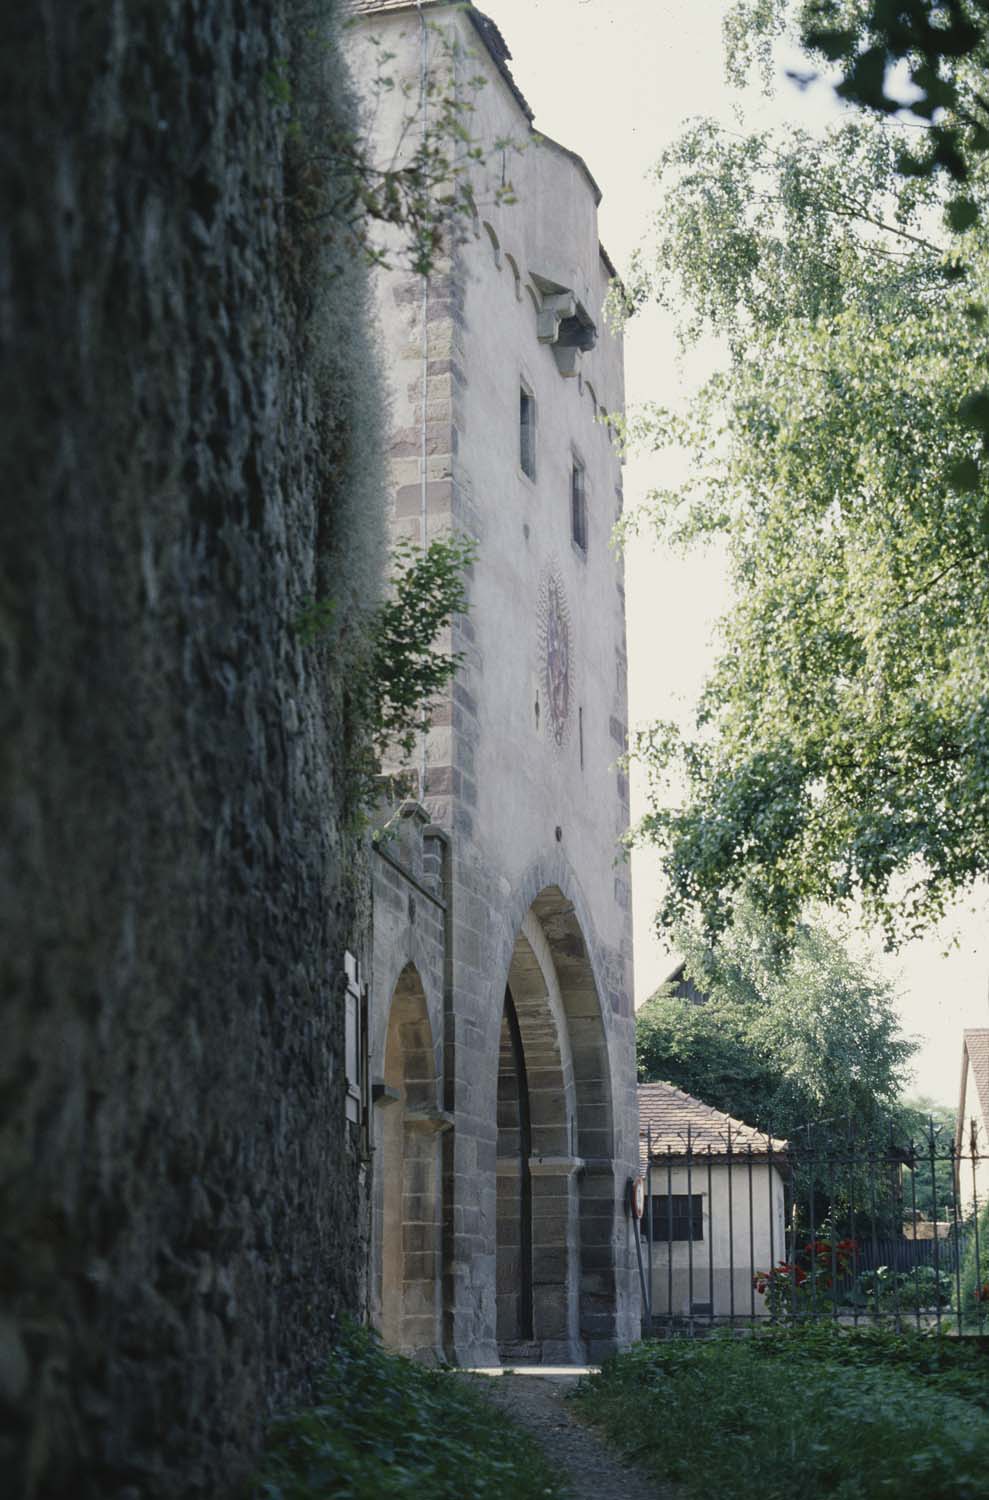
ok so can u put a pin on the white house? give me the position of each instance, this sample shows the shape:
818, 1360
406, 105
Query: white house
715, 1206
972, 1128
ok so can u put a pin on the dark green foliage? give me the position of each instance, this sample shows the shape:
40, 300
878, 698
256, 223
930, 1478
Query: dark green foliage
394, 670
406, 671
900, 1293
930, 1187
806, 1044
937, 41
804, 1412
384, 1427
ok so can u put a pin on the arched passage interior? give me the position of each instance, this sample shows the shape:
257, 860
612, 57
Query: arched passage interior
556, 1272
408, 1177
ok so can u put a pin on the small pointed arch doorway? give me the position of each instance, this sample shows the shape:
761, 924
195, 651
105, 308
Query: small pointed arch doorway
408, 1206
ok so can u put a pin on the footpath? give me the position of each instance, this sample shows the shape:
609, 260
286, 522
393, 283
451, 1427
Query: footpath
535, 1399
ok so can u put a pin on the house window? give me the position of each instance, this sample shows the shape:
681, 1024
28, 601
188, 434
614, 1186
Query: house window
578, 506
687, 1222
527, 432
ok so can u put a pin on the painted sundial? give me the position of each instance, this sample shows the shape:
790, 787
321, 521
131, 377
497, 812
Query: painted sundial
556, 649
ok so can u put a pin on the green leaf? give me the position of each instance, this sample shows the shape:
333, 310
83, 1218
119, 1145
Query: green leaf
974, 410
964, 475
961, 214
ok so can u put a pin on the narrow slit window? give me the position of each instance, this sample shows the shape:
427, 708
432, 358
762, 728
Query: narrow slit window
578, 506
527, 432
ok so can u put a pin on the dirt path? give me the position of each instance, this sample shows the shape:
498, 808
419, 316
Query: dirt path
590, 1468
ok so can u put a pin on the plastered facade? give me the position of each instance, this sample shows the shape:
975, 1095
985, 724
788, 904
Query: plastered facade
743, 1230
519, 773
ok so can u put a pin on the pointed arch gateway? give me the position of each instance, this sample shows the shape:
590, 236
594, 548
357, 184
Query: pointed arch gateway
556, 1256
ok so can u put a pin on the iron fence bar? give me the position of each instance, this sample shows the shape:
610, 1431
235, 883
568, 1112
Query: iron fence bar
751, 1237
913, 1219
975, 1230
934, 1215
854, 1234
954, 1234
731, 1239
792, 1255
669, 1237
646, 1297
894, 1184
871, 1169
650, 1213
811, 1223
834, 1241
690, 1231
772, 1217
710, 1236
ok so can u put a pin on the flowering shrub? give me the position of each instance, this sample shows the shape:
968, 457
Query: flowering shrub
790, 1287
824, 1269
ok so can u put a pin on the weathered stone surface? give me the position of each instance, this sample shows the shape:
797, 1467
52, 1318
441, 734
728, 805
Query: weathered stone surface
180, 1200
533, 812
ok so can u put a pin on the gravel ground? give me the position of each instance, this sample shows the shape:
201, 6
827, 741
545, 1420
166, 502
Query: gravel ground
589, 1467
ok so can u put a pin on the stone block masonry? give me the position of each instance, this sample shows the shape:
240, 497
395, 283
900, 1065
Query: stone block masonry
528, 1004
182, 1201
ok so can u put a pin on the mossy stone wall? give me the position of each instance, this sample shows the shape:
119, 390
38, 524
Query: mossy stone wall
182, 1201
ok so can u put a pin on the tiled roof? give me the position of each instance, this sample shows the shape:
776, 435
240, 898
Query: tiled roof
361, 7
975, 1050
676, 1118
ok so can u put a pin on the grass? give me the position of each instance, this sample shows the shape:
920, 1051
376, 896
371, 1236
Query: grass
384, 1426
849, 1416
974, 1277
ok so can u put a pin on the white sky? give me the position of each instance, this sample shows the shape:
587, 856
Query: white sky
614, 80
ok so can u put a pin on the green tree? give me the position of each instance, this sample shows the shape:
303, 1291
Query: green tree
841, 746
930, 1189
806, 1044
925, 58
395, 670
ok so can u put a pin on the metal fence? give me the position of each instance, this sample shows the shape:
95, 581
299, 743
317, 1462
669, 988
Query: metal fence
857, 1232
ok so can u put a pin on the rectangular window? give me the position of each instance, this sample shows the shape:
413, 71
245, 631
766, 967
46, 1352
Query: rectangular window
578, 506
527, 432
687, 1221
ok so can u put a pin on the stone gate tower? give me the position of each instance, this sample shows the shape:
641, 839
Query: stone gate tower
501, 1027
